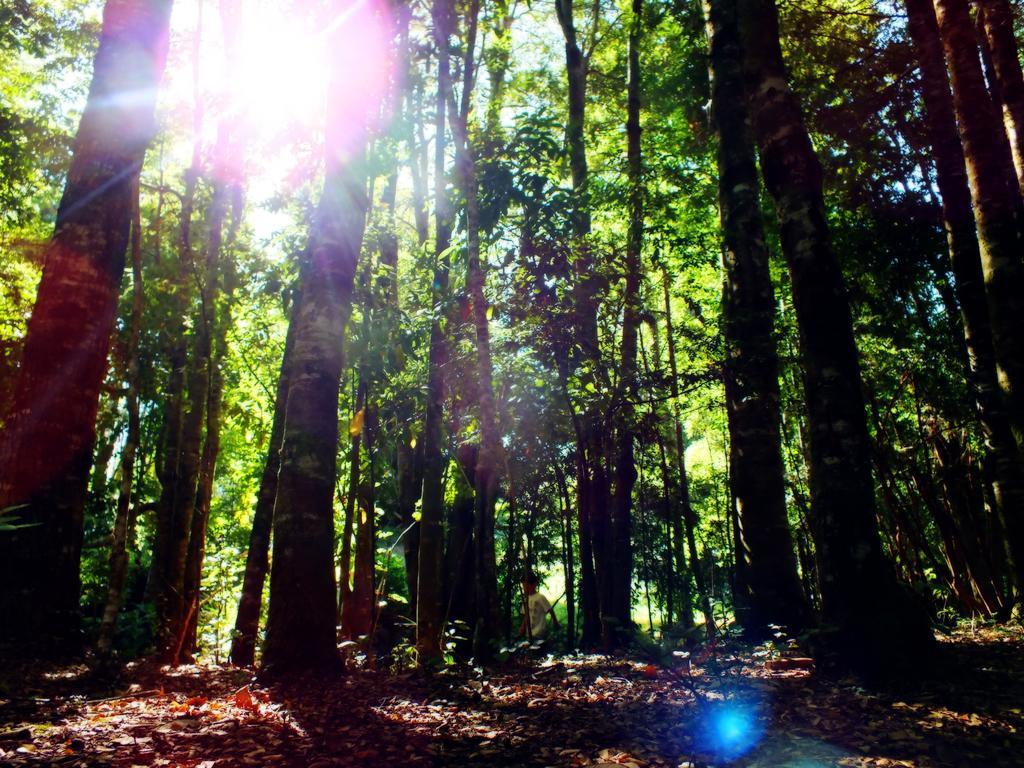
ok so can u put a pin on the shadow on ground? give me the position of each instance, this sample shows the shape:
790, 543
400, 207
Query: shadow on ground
573, 711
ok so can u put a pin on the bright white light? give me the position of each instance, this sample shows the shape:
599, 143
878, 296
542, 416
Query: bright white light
279, 85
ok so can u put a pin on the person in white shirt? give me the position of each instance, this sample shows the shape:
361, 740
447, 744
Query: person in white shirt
535, 616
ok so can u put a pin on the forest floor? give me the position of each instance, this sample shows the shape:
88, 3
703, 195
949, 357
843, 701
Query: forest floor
729, 707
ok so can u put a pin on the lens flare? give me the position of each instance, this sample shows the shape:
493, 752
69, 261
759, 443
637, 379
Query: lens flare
729, 729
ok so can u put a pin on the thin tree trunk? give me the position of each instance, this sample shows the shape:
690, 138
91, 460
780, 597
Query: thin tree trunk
46, 449
1000, 138
625, 463
410, 480
216, 322
569, 563
243, 643
593, 484
351, 505
690, 521
489, 457
125, 508
363, 597
227, 193
677, 572
172, 596
515, 566
180, 459
409, 454
954, 471
875, 624
201, 515
772, 593
589, 607
431, 536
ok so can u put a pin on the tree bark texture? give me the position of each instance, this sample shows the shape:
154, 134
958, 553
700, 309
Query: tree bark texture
877, 626
46, 451
1000, 139
301, 622
996, 207
996, 21
965, 257
772, 586
996, 204
303, 608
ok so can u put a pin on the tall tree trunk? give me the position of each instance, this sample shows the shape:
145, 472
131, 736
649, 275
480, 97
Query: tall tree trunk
876, 625
951, 172
300, 626
409, 465
996, 207
485, 632
243, 643
996, 20
593, 485
183, 419
46, 449
625, 464
431, 537
125, 508
174, 610
1000, 139
216, 319
772, 585
301, 623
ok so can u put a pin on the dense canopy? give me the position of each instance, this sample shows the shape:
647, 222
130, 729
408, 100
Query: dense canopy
708, 317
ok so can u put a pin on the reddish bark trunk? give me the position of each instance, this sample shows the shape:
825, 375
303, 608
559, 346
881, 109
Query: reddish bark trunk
46, 451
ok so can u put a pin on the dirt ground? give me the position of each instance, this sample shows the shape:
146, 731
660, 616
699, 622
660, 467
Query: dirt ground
727, 705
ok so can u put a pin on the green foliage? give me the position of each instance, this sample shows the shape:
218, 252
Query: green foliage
850, 65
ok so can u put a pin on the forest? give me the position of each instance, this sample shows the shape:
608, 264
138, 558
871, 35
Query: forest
511, 382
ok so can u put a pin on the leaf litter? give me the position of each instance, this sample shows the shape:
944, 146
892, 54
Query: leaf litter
570, 711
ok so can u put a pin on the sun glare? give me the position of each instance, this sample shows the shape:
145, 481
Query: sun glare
267, 69
280, 81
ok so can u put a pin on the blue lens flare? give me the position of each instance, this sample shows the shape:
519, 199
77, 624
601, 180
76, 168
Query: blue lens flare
729, 729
